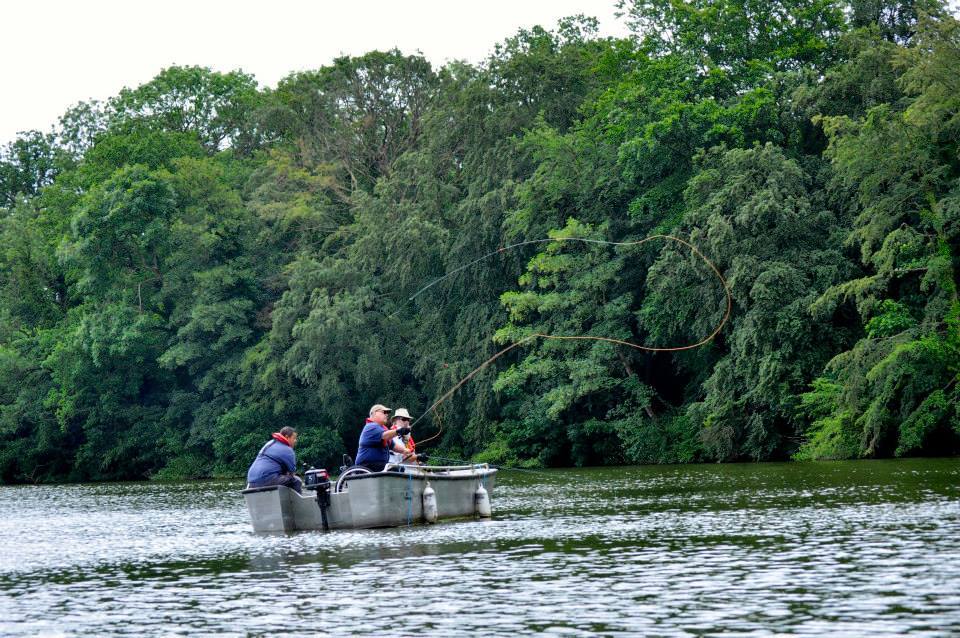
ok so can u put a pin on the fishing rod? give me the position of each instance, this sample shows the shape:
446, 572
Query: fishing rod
496, 467
539, 335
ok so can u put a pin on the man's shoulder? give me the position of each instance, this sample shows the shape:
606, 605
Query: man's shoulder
370, 430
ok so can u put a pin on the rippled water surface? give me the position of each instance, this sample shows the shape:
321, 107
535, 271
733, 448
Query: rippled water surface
839, 549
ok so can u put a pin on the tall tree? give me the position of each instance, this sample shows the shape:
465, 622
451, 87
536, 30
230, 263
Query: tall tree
895, 391
28, 164
215, 107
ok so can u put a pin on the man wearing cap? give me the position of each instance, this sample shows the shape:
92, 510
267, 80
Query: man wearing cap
376, 440
402, 419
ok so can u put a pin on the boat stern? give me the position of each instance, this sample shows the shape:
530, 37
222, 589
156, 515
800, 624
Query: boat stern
270, 508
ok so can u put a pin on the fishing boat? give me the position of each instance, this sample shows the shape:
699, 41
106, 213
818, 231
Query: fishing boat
359, 498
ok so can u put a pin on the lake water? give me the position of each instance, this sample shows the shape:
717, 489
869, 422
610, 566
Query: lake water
866, 548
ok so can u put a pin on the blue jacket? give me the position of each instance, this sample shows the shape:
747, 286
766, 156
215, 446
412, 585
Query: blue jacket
372, 448
273, 459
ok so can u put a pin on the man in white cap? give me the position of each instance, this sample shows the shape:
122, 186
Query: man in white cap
402, 419
376, 440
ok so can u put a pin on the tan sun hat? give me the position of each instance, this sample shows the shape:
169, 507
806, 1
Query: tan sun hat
401, 413
378, 407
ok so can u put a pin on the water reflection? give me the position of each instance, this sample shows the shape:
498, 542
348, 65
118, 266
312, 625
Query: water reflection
865, 548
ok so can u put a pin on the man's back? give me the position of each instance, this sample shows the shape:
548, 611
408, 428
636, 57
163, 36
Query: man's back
274, 458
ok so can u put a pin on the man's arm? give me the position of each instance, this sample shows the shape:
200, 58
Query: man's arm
398, 445
372, 437
289, 461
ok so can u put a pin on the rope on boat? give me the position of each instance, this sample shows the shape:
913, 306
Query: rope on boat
409, 498
539, 335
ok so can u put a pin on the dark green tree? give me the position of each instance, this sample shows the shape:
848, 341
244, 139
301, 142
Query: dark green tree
894, 391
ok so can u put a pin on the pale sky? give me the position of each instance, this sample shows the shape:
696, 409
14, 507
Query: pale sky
55, 53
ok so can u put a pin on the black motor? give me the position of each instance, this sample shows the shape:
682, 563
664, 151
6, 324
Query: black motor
319, 480
314, 477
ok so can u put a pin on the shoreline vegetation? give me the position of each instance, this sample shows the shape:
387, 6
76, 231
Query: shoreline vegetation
199, 261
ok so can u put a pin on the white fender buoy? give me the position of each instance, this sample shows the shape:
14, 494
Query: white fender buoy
482, 500
429, 504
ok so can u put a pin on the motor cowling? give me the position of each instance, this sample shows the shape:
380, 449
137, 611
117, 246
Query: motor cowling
312, 478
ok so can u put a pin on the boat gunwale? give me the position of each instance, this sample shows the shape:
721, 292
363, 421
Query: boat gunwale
473, 476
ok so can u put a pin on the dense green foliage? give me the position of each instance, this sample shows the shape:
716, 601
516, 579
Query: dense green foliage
198, 261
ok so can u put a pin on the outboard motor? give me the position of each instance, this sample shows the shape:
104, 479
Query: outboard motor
314, 477
319, 480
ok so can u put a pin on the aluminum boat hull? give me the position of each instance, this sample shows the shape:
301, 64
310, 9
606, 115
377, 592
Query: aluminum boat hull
378, 499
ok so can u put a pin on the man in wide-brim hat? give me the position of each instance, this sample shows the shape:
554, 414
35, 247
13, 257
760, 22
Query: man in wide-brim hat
402, 419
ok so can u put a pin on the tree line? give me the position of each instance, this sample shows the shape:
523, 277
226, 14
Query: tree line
199, 261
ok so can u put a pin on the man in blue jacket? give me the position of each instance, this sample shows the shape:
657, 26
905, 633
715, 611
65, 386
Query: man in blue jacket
376, 440
276, 463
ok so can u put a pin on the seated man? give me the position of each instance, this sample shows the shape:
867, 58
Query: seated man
276, 463
376, 440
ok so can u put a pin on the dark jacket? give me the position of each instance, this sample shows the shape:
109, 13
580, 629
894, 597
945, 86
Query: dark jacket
274, 458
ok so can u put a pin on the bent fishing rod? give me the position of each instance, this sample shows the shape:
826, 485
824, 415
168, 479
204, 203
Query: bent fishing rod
539, 335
